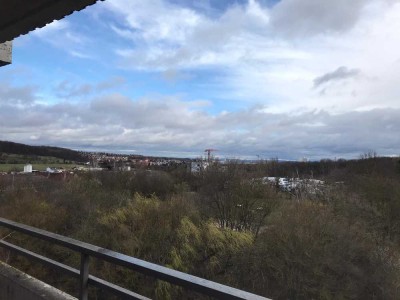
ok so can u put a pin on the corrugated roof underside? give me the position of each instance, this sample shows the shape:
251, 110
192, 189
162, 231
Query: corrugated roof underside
18, 17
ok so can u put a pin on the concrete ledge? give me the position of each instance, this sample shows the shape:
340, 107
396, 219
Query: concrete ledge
16, 285
5, 53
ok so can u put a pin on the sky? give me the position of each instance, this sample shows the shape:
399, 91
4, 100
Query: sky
251, 78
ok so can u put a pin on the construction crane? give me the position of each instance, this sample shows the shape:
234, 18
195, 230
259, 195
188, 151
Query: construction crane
208, 151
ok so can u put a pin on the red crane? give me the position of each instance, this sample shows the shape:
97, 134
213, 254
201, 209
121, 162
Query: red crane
208, 151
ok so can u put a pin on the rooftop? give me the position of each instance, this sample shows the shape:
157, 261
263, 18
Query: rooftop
18, 17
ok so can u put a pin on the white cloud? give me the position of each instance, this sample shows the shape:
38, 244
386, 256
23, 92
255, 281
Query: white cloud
272, 55
68, 89
302, 18
168, 36
64, 36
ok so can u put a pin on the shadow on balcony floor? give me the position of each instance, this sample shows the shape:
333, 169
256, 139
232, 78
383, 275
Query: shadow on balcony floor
16, 285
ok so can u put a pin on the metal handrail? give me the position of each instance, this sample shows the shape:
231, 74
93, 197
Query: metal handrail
86, 250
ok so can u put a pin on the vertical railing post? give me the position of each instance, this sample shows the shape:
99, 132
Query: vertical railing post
84, 275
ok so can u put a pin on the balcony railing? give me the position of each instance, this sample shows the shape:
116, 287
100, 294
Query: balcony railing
86, 251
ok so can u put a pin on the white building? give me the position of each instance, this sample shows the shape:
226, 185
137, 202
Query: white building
291, 184
53, 170
198, 166
28, 168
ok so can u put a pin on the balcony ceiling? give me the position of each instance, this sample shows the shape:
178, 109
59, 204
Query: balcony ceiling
19, 17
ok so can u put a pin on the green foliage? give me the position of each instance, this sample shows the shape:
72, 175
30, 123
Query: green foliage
224, 225
236, 201
153, 182
382, 194
307, 252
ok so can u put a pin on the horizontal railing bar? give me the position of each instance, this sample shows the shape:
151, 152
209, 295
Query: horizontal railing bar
95, 281
39, 258
194, 283
115, 289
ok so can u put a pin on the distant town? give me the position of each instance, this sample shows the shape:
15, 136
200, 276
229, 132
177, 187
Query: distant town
124, 162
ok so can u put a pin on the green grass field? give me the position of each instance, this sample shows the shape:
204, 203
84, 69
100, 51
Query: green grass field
16, 162
39, 167
8, 158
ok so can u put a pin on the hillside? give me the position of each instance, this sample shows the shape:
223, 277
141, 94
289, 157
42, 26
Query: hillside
22, 149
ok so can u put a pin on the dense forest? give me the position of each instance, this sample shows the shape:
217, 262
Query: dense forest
22, 149
340, 241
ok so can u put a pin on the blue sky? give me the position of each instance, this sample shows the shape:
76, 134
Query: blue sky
287, 79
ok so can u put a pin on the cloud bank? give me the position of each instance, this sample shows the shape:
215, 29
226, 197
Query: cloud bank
169, 125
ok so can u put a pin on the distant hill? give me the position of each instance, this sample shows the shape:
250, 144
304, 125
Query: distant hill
22, 149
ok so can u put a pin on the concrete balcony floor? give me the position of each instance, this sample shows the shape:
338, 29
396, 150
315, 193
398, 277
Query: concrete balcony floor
16, 285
